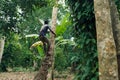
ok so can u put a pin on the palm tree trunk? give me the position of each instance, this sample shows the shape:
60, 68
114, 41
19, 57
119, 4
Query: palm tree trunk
107, 55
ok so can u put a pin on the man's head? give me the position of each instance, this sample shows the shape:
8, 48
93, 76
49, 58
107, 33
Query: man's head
46, 22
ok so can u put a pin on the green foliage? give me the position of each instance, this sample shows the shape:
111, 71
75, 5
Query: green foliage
18, 54
84, 31
27, 6
60, 55
37, 49
60, 59
60, 41
11, 53
13, 12
60, 29
118, 5
20, 17
31, 24
8, 13
40, 51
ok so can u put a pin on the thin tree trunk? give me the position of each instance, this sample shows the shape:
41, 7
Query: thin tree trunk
43, 71
116, 30
54, 19
108, 68
2, 42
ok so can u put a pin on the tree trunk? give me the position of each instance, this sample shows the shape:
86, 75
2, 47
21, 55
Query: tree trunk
54, 19
49, 60
108, 68
116, 30
2, 42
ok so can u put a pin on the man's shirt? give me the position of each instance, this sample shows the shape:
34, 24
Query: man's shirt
44, 30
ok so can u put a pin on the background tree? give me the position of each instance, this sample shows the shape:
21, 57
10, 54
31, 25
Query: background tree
116, 30
108, 67
2, 42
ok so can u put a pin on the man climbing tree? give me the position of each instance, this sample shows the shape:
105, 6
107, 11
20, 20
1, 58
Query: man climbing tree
48, 60
42, 36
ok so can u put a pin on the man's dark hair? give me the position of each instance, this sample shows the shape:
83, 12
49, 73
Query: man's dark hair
46, 22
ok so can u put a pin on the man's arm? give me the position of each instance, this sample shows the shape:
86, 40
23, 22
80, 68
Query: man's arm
52, 32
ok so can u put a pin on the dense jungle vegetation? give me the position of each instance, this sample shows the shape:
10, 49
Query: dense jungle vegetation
75, 44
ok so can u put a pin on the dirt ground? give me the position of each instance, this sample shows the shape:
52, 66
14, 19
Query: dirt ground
28, 76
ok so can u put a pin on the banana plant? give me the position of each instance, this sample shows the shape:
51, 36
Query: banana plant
36, 46
61, 41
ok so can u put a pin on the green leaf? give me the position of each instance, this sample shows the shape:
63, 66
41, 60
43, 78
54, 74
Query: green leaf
76, 6
41, 51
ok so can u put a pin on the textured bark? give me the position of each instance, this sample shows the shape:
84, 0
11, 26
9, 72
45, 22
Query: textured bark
2, 42
43, 71
116, 30
54, 19
115, 25
49, 60
108, 68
